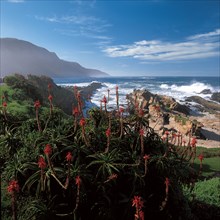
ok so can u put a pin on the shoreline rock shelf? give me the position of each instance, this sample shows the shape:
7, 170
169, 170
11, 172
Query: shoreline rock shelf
167, 103
205, 105
179, 115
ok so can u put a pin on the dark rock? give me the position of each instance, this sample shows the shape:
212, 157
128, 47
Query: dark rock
173, 105
208, 106
206, 91
216, 96
90, 89
166, 118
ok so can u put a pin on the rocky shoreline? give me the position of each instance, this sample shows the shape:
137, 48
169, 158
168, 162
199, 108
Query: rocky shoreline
204, 124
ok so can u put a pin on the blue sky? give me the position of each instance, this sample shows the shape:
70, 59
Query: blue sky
130, 38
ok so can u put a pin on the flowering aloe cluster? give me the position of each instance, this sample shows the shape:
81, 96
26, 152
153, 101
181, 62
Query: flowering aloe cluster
106, 165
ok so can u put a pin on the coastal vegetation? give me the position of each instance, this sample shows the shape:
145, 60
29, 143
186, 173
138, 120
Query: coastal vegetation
58, 162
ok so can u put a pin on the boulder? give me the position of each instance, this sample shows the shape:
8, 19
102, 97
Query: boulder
216, 96
173, 105
206, 91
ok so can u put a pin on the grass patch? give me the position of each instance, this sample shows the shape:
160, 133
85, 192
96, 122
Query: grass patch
210, 166
208, 152
210, 163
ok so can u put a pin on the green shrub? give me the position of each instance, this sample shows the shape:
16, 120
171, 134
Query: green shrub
205, 199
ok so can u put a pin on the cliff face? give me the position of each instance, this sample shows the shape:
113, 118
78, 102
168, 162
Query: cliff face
18, 56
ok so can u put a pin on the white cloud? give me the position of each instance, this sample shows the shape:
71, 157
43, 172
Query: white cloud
80, 25
215, 33
195, 47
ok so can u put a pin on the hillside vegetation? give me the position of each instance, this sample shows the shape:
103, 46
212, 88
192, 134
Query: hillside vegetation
109, 165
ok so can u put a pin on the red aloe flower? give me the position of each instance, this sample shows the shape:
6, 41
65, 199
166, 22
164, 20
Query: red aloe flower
138, 202
37, 104
48, 149
49, 85
167, 133
82, 122
75, 111
201, 157
50, 98
108, 132
141, 112
113, 176
163, 138
69, 156
146, 157
104, 100
121, 110
41, 163
193, 142
78, 181
167, 183
141, 132
13, 187
4, 104
174, 135
141, 215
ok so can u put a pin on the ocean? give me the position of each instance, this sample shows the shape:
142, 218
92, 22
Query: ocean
177, 87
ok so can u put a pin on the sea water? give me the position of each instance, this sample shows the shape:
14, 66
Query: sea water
177, 87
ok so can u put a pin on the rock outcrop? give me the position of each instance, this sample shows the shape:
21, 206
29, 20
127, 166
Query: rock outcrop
206, 91
171, 114
216, 96
146, 98
205, 105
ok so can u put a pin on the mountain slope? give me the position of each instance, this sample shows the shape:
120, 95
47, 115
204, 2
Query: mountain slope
18, 56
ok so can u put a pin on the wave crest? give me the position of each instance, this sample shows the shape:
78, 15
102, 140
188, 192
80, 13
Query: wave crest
196, 87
